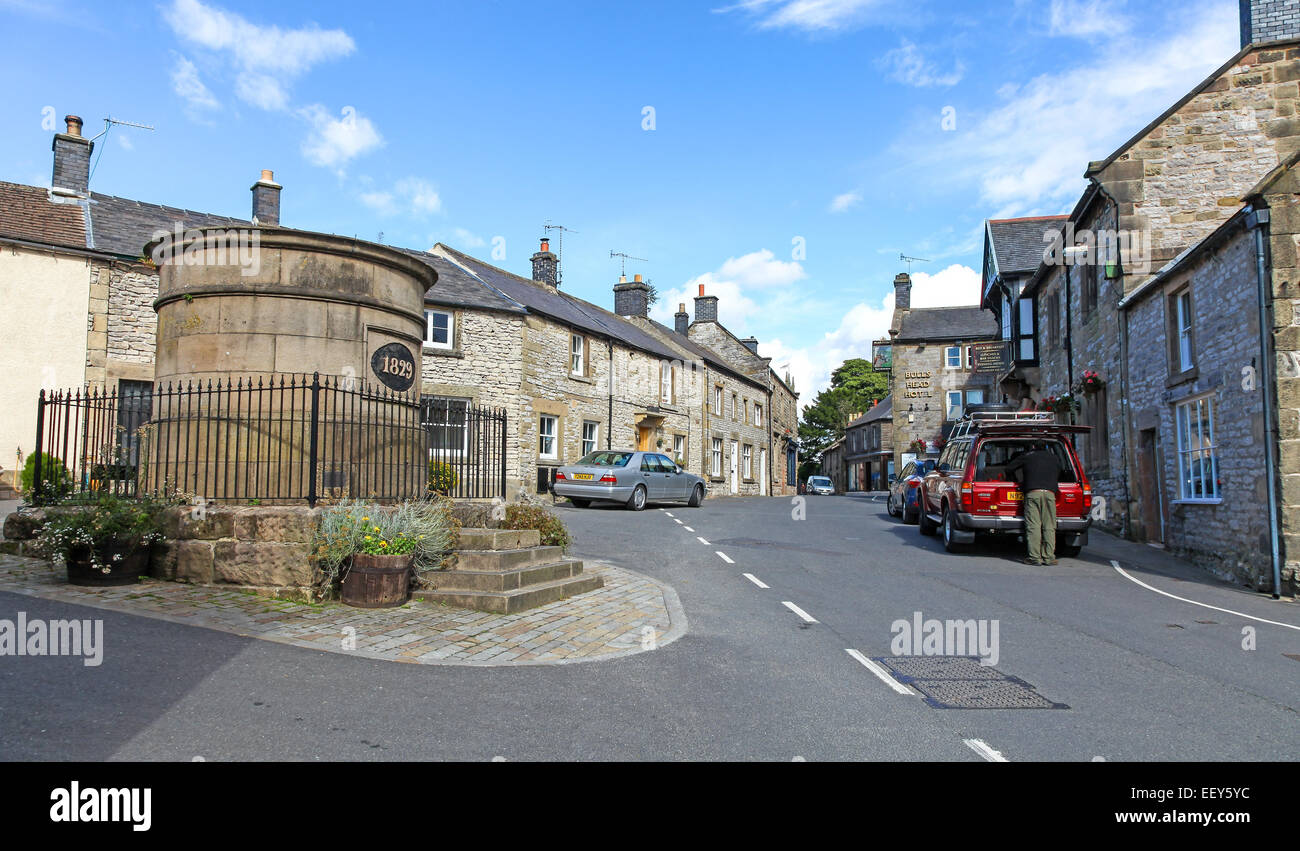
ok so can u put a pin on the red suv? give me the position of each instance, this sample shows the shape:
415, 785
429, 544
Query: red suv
969, 492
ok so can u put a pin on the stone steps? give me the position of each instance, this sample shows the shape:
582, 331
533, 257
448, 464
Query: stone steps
517, 600
498, 539
506, 580
499, 560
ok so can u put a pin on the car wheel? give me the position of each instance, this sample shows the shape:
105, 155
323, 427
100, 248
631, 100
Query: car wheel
697, 496
909, 517
949, 543
636, 501
923, 521
889, 505
580, 503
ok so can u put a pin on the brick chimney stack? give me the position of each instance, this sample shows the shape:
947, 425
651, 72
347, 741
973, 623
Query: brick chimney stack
266, 199
681, 319
1269, 20
902, 291
71, 161
632, 299
706, 307
751, 343
545, 266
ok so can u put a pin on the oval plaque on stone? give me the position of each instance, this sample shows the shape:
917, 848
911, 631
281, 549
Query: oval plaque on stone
394, 366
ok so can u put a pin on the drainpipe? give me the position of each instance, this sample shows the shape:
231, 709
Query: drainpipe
767, 424
609, 431
1124, 412
1258, 221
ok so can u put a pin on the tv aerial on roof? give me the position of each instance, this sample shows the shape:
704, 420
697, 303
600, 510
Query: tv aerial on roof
910, 260
559, 247
623, 258
109, 121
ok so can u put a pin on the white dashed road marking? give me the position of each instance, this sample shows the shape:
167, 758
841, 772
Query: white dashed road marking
668, 514
798, 611
678, 522
982, 748
720, 554
702, 541
1123, 573
688, 528
880, 672
752, 578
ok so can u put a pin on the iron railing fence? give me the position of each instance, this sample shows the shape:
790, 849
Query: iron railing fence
276, 439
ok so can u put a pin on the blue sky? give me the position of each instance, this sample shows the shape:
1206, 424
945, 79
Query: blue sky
855, 129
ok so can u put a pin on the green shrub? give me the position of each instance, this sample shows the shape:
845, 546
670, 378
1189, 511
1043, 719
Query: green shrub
106, 519
554, 534
424, 530
442, 478
57, 480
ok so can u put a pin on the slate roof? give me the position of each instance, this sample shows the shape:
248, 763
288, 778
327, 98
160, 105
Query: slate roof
707, 355
883, 410
947, 323
1018, 243
28, 214
123, 227
559, 305
459, 287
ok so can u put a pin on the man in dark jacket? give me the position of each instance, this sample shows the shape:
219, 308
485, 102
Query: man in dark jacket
1039, 473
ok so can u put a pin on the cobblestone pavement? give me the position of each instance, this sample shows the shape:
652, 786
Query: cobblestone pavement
631, 614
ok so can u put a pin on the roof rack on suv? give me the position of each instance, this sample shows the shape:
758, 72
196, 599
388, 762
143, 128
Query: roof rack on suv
971, 423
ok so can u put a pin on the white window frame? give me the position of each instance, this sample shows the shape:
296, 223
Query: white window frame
717, 400
666, 382
429, 342
594, 440
947, 357
758, 414
463, 425
577, 349
543, 437
1197, 447
948, 412
679, 449
1183, 321
969, 402
747, 460
715, 464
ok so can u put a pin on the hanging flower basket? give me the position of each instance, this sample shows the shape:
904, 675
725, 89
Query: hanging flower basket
1065, 404
1091, 382
917, 447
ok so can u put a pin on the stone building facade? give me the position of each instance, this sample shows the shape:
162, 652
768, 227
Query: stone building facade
932, 380
1183, 239
869, 448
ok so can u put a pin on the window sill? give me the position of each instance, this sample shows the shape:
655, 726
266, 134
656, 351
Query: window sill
718, 479
584, 379
1182, 377
548, 462
1217, 501
439, 351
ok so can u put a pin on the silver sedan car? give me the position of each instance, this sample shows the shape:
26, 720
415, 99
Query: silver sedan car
633, 478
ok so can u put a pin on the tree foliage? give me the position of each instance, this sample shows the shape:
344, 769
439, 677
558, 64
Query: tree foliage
854, 385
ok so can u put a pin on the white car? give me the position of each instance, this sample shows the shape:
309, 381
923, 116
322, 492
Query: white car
821, 485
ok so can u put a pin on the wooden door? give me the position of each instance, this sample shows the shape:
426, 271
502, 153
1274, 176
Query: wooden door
1149, 490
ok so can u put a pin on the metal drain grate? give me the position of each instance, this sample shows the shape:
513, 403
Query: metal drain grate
961, 682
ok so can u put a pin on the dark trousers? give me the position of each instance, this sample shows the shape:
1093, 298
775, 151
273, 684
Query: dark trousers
1040, 525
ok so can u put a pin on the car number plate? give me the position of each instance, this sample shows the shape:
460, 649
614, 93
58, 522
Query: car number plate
584, 477
1015, 496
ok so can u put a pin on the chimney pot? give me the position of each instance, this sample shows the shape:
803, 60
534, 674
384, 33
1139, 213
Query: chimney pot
622, 279
268, 175
637, 278
74, 124
546, 244
701, 289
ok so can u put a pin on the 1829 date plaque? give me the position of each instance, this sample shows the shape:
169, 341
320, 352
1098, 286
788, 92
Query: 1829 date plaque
394, 366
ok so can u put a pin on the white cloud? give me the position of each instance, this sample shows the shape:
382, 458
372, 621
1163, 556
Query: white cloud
1087, 18
845, 202
126, 143
811, 366
908, 65
266, 58
411, 195
734, 307
808, 15
468, 239
760, 269
1016, 153
334, 141
186, 83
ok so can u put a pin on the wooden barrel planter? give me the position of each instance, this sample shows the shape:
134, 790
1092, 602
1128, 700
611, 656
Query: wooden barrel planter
377, 582
126, 561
